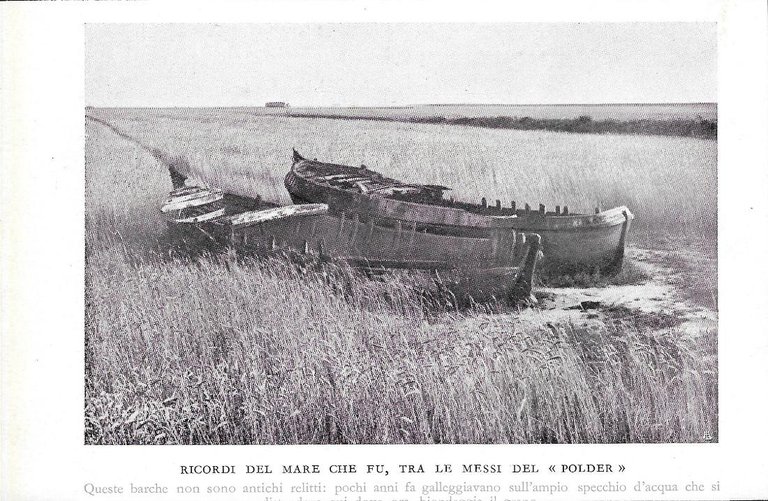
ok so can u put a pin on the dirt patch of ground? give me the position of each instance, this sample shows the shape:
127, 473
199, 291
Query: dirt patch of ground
679, 290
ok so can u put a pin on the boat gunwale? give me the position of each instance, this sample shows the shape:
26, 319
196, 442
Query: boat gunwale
254, 217
604, 219
203, 218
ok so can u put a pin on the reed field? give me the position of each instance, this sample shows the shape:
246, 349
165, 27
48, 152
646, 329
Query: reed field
669, 182
227, 349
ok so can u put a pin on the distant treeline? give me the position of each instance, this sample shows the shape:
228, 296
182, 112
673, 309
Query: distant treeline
701, 128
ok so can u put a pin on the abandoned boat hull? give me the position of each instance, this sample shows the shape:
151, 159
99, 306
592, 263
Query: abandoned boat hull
368, 244
505, 262
572, 243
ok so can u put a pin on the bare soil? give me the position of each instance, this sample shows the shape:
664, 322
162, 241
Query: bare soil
680, 290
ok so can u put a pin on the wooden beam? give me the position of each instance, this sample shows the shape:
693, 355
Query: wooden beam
618, 259
521, 290
321, 248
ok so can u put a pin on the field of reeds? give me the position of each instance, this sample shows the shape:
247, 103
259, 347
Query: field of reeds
670, 182
226, 349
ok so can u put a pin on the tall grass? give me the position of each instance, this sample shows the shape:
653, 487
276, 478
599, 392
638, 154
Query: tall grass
221, 351
218, 349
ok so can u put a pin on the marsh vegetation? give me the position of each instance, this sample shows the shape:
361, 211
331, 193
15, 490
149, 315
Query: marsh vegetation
215, 348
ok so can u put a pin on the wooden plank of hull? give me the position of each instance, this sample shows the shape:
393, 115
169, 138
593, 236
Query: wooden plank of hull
573, 222
186, 190
195, 200
201, 218
425, 213
347, 239
383, 220
253, 218
190, 193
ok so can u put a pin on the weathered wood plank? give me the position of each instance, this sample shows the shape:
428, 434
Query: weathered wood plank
289, 211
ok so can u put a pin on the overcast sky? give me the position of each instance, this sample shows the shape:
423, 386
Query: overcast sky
398, 64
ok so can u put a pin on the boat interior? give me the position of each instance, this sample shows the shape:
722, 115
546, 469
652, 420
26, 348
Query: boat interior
365, 181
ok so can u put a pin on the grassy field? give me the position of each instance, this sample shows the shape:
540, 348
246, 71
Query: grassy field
670, 183
220, 349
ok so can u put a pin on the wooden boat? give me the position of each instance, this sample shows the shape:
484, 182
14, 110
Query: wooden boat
571, 243
502, 264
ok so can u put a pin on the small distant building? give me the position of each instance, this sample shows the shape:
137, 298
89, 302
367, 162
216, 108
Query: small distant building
277, 104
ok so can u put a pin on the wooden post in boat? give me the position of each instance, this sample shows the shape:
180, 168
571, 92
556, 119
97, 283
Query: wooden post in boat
369, 235
341, 225
513, 246
321, 248
398, 237
521, 289
356, 223
313, 230
495, 245
177, 179
542, 210
618, 259
518, 248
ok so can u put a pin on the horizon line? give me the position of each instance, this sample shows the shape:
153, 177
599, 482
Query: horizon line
670, 103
